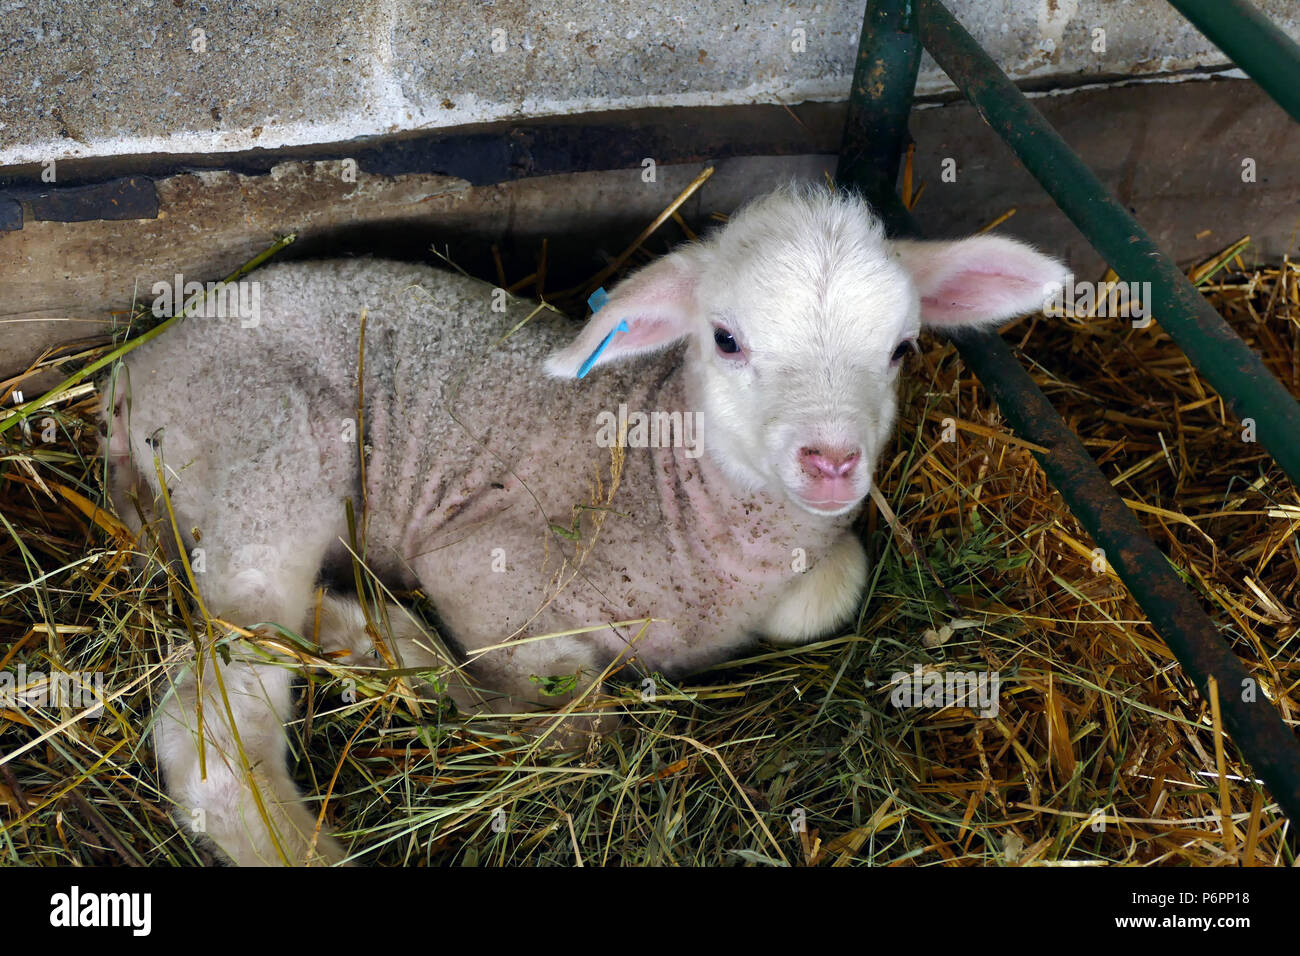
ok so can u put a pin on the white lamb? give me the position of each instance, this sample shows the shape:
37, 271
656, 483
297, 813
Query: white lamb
700, 483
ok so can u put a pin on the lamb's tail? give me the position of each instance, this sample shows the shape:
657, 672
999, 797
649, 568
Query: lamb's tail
126, 486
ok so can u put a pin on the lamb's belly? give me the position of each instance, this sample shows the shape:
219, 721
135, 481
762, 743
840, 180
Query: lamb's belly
680, 616
684, 578
496, 580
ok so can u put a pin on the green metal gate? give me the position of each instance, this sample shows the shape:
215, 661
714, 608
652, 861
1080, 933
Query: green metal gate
893, 35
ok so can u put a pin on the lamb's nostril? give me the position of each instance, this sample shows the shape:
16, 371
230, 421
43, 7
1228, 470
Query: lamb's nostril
827, 463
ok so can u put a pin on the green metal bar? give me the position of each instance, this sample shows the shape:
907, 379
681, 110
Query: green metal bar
875, 130
1176, 614
1253, 42
1227, 363
1267, 742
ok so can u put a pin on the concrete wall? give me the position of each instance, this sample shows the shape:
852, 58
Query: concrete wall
154, 173
115, 78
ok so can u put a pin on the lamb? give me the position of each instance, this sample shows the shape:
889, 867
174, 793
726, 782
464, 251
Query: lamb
559, 537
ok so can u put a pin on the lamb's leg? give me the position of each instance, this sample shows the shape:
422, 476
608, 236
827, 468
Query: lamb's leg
246, 802
342, 627
822, 598
243, 799
260, 493
498, 684
566, 720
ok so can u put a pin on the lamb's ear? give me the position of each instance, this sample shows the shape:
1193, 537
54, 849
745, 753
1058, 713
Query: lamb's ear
980, 281
657, 304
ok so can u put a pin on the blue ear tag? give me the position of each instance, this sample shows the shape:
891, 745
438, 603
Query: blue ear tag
597, 301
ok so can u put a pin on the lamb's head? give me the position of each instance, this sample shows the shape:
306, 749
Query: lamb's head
797, 316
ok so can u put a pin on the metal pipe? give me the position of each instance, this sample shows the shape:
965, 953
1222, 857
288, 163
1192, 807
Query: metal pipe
1253, 42
1228, 364
875, 129
1174, 612
1267, 742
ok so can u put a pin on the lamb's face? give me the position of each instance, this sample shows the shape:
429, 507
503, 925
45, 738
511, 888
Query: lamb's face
802, 325
798, 315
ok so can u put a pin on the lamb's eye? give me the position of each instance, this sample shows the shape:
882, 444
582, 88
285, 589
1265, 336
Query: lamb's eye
904, 348
727, 345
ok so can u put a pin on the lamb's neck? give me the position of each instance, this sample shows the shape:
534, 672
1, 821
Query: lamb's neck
700, 495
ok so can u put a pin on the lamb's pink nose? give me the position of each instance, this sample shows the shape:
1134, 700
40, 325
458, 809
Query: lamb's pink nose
828, 463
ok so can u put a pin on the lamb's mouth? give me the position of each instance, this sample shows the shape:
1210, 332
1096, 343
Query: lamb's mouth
829, 504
